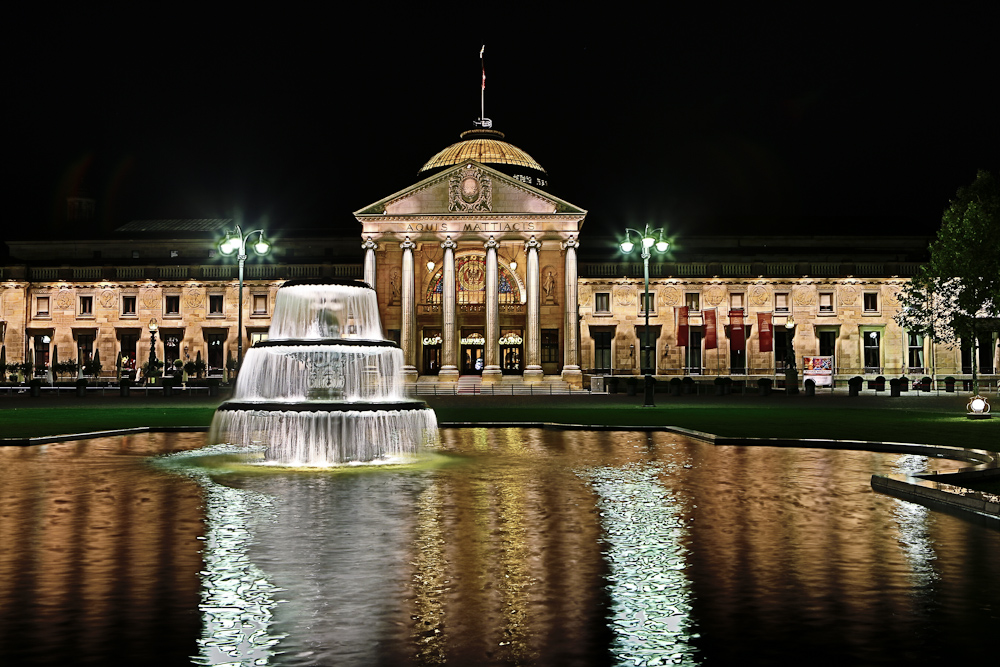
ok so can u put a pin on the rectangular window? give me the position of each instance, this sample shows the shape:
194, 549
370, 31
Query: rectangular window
736, 300
257, 337
260, 304
172, 304
602, 351
41, 306
215, 304
647, 303
781, 302
915, 356
826, 303
86, 306
550, 346
602, 303
128, 305
693, 301
871, 302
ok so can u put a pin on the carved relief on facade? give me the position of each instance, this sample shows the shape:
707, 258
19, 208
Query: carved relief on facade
108, 299
892, 295
804, 297
670, 296
64, 300
470, 190
150, 299
194, 298
714, 296
848, 295
586, 296
624, 295
758, 296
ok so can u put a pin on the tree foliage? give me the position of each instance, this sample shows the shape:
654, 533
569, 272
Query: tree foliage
960, 284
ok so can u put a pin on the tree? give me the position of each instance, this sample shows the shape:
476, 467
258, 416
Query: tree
956, 295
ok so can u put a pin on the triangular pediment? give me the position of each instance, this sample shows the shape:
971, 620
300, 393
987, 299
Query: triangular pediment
471, 188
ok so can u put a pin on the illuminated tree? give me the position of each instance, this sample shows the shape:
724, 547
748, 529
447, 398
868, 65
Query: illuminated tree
957, 293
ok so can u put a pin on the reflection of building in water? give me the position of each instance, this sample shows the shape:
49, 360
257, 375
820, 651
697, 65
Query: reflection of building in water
99, 554
506, 560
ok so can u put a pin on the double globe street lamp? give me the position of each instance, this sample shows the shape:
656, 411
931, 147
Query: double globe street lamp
236, 241
647, 239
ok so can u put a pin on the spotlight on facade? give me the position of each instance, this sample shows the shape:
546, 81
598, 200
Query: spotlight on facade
978, 408
430, 266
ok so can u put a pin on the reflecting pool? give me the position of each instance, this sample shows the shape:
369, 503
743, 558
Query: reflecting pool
518, 546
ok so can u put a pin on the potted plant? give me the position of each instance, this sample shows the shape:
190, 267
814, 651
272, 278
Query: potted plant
949, 384
630, 385
810, 387
676, 386
764, 386
689, 386
854, 385
35, 385
81, 387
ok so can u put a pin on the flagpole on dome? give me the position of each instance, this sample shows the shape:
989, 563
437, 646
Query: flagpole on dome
482, 88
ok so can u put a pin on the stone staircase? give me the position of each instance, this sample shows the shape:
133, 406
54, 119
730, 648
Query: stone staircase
473, 385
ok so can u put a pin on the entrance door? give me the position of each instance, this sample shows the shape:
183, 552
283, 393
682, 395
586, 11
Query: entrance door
216, 341
602, 351
828, 345
692, 356
473, 353
511, 352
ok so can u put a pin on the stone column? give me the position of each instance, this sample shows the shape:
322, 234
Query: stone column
492, 372
449, 322
370, 247
533, 335
571, 373
407, 329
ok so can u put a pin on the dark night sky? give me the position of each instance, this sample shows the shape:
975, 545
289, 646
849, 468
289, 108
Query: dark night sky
740, 124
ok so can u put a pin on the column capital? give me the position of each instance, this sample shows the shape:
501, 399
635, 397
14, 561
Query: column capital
571, 242
407, 244
369, 244
492, 243
532, 244
448, 243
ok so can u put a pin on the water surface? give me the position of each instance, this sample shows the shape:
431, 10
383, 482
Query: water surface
531, 547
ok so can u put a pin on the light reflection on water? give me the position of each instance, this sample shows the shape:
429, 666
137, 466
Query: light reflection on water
528, 550
644, 529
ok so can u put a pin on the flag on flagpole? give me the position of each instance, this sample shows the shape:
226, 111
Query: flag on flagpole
483, 65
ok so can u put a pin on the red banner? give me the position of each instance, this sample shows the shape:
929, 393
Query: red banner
711, 340
766, 335
682, 326
737, 334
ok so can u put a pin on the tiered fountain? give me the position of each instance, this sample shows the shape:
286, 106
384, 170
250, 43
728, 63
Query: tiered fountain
325, 388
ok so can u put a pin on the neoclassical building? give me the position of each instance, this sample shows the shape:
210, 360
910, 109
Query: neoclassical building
481, 272
476, 266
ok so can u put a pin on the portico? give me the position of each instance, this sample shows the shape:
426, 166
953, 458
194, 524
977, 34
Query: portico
476, 269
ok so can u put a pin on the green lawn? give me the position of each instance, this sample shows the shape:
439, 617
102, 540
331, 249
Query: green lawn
919, 421
27, 422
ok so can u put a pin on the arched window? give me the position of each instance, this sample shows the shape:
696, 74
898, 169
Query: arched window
470, 279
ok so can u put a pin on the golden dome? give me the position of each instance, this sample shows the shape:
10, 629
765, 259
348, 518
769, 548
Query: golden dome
483, 146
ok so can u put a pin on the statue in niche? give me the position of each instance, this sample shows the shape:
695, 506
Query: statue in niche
394, 286
549, 286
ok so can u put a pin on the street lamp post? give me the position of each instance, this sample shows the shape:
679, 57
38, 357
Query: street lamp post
646, 241
791, 372
237, 242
